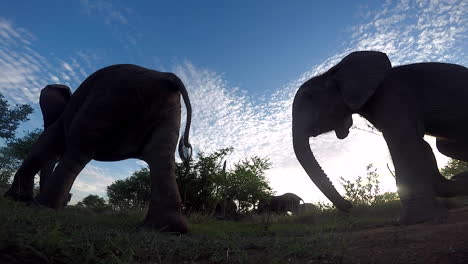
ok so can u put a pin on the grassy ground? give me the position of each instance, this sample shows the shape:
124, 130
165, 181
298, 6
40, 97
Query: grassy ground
32, 235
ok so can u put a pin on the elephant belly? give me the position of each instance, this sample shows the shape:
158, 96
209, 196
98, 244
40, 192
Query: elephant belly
450, 132
113, 137
444, 95
450, 125
120, 146
118, 150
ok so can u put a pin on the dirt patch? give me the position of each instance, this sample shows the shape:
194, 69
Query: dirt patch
444, 242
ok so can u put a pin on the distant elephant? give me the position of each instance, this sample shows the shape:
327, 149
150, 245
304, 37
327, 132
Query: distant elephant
225, 209
119, 112
404, 103
307, 208
53, 100
288, 202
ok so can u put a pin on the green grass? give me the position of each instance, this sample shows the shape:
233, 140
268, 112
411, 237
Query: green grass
33, 235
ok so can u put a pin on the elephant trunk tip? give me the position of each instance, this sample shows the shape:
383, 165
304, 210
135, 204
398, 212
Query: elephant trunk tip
308, 161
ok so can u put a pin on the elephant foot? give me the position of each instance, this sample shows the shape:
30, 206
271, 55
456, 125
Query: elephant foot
421, 210
18, 196
167, 222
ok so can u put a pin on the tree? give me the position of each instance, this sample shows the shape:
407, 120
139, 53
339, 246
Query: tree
386, 197
203, 183
13, 154
16, 149
207, 182
11, 118
247, 183
92, 201
131, 193
362, 192
200, 180
453, 167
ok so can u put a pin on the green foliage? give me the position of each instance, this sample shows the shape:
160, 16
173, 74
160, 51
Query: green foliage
366, 192
324, 206
453, 167
200, 180
247, 183
10, 118
13, 154
386, 197
203, 182
16, 149
130, 193
206, 183
92, 201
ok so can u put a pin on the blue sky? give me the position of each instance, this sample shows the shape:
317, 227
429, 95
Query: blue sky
241, 61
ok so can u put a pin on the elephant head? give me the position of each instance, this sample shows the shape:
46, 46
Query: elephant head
326, 102
53, 100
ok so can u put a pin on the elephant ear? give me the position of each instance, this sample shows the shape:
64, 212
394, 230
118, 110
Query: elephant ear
359, 74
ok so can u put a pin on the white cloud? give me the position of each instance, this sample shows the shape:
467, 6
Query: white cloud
106, 9
93, 180
414, 32
67, 67
54, 78
24, 71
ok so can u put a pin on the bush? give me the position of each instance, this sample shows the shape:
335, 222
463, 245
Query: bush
366, 191
203, 183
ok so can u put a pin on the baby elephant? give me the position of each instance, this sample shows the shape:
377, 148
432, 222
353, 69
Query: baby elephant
119, 112
282, 204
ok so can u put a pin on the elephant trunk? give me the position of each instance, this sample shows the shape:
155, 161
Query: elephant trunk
315, 172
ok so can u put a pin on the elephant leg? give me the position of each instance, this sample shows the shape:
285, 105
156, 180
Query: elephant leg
416, 169
458, 184
57, 188
295, 209
165, 207
47, 147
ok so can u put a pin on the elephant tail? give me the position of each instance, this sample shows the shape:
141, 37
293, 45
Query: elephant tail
185, 148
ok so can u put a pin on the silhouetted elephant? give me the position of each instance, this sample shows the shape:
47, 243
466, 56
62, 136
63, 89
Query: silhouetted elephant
119, 112
226, 209
288, 202
53, 99
404, 103
307, 208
